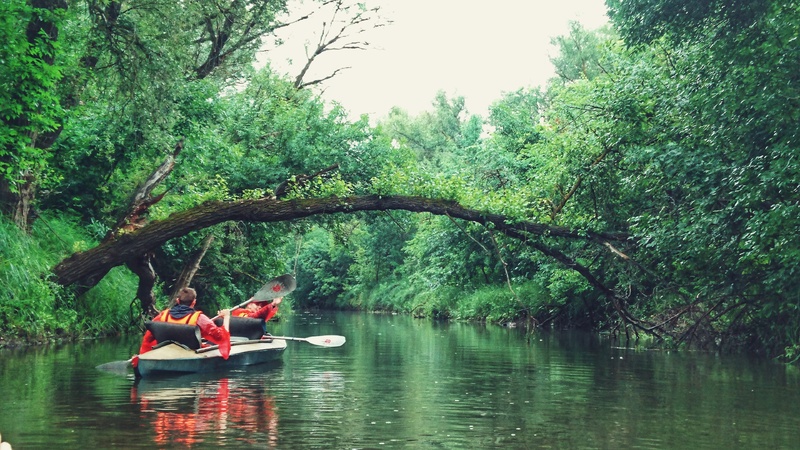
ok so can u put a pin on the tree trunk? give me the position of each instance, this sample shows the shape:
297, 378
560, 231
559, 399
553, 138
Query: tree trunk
142, 267
87, 268
133, 218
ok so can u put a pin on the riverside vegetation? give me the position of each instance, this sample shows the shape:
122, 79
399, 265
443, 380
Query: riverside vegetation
650, 189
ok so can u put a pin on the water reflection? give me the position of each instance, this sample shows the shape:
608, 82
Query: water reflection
189, 410
402, 383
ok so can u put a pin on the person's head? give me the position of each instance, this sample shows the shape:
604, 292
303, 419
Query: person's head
187, 296
255, 306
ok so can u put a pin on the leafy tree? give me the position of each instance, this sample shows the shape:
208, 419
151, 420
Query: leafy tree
30, 108
644, 21
322, 269
440, 137
713, 122
579, 53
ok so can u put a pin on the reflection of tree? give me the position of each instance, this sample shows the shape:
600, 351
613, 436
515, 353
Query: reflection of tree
187, 413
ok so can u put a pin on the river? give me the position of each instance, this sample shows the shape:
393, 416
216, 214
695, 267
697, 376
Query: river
405, 383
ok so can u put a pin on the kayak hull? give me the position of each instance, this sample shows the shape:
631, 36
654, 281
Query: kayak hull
174, 358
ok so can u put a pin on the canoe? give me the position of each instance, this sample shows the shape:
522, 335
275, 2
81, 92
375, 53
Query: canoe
181, 350
173, 358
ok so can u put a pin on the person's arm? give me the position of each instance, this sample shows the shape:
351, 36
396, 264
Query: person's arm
148, 342
268, 311
218, 335
210, 331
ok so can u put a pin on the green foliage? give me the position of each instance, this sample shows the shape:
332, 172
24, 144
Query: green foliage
29, 104
379, 242
438, 304
644, 21
279, 132
33, 308
686, 139
439, 139
580, 54
490, 303
704, 130
322, 270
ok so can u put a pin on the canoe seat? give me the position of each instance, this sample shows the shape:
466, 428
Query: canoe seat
245, 327
188, 335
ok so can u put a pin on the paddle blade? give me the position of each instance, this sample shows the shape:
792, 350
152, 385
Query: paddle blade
118, 367
278, 287
326, 341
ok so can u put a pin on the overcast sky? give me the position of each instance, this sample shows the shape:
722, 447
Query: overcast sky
475, 49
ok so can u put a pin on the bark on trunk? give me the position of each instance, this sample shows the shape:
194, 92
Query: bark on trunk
88, 267
142, 267
22, 201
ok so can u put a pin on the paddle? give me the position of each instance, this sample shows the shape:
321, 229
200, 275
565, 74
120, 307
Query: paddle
277, 287
330, 340
322, 341
274, 288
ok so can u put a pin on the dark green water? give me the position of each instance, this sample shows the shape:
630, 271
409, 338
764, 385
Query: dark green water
405, 383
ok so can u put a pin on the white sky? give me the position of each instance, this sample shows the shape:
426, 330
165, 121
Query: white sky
475, 49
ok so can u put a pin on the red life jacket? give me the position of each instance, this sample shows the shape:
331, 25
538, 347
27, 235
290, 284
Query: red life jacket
190, 319
240, 312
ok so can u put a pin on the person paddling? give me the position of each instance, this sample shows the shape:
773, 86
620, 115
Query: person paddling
184, 313
258, 310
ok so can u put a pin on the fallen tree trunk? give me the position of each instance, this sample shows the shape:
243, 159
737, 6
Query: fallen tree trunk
85, 269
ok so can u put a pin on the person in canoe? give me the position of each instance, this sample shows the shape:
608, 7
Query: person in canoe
258, 310
184, 313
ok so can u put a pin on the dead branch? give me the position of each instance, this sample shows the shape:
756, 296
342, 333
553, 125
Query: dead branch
340, 33
190, 269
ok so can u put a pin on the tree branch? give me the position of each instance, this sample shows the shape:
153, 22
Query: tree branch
88, 267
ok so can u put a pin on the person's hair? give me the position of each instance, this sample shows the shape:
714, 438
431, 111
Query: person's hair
186, 296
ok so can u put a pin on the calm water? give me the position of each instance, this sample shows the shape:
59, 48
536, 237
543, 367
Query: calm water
405, 383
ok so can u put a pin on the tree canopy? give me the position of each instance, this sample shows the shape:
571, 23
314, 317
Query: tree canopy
650, 188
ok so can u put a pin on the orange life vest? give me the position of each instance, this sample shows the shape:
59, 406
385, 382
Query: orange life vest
190, 319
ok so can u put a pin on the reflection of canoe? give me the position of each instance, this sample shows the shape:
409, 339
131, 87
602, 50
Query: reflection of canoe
194, 409
172, 358
167, 391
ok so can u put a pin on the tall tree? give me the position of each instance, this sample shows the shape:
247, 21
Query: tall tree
30, 109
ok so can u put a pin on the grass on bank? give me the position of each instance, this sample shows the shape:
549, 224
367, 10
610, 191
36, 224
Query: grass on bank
495, 304
33, 308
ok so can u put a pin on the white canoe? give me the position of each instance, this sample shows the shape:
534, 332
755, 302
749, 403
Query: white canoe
174, 358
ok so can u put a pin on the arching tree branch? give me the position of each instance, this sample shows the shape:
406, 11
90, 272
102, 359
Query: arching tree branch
87, 268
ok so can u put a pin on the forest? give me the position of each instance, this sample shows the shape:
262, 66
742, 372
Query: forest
651, 190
